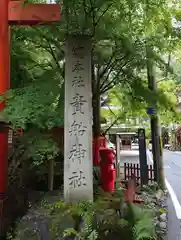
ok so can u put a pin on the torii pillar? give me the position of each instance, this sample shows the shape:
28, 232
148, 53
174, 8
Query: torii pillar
15, 13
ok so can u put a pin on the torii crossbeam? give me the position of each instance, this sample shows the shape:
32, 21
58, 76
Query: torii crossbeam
16, 13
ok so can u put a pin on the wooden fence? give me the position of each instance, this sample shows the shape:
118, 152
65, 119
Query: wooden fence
134, 169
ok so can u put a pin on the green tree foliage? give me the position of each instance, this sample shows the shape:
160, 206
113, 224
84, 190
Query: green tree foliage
133, 109
36, 97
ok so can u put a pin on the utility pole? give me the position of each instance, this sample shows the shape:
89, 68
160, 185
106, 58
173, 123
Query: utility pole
154, 122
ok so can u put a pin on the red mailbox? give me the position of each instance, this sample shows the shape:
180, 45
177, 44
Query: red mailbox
107, 169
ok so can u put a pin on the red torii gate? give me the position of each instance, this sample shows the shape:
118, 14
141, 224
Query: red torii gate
15, 13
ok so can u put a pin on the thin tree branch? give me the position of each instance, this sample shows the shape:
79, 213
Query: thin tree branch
51, 50
112, 67
39, 65
112, 82
103, 13
112, 124
107, 66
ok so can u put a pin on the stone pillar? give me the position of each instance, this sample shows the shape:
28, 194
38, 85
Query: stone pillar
78, 172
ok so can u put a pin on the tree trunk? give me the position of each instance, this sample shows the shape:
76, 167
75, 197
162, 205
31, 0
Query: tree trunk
155, 124
96, 115
51, 175
96, 104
